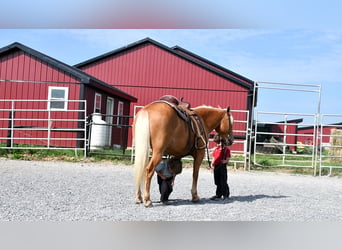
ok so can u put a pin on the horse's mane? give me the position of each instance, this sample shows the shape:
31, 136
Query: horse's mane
206, 106
215, 108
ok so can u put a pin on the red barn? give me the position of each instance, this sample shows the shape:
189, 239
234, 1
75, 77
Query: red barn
148, 70
26, 74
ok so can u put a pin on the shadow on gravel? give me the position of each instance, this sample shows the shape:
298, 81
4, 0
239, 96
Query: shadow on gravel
203, 201
250, 198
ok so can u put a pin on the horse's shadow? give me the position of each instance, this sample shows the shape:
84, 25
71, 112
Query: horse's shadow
203, 201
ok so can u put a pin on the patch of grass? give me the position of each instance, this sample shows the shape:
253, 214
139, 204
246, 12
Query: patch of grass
115, 156
266, 162
295, 164
66, 155
116, 159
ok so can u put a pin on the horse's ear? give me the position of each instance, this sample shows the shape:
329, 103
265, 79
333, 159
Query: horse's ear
228, 110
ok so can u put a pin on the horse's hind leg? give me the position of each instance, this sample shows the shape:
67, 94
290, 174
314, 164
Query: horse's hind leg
155, 160
138, 198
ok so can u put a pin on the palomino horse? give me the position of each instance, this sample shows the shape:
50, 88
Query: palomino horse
157, 126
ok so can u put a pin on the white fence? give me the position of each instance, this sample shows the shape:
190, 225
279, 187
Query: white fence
31, 124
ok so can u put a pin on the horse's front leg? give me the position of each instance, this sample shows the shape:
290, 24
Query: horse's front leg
196, 166
195, 197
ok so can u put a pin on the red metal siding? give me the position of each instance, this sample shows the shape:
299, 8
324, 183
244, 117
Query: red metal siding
151, 66
307, 136
327, 131
211, 65
19, 65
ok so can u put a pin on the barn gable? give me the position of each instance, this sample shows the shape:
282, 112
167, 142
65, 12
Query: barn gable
19, 63
148, 69
173, 52
23, 54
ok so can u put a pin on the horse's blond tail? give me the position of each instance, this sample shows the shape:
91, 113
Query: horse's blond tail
142, 146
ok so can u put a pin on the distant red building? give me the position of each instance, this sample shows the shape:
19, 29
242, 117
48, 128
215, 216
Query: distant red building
288, 129
283, 131
326, 131
26, 74
148, 70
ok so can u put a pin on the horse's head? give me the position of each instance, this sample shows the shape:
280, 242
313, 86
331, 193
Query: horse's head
225, 128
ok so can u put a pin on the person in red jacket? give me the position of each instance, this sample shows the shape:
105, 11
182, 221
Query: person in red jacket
221, 155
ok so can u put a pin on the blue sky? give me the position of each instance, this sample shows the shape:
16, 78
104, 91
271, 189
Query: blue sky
292, 41
303, 56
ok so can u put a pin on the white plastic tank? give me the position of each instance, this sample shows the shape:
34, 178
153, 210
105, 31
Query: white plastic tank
99, 132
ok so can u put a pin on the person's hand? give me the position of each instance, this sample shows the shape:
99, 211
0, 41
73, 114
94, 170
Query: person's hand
161, 176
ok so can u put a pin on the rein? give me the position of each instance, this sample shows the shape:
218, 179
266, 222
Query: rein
195, 126
200, 128
209, 163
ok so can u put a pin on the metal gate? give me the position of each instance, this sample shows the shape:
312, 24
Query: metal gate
280, 144
275, 133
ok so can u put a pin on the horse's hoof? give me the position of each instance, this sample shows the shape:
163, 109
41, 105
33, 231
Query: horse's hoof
195, 200
148, 204
138, 201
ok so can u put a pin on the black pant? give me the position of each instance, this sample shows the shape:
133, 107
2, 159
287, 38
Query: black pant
165, 188
220, 178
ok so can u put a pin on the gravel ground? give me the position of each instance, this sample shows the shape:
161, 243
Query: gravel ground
62, 191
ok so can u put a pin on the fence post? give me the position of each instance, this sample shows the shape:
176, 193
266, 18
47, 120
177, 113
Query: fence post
10, 129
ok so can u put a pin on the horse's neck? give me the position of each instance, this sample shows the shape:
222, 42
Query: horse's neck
211, 117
